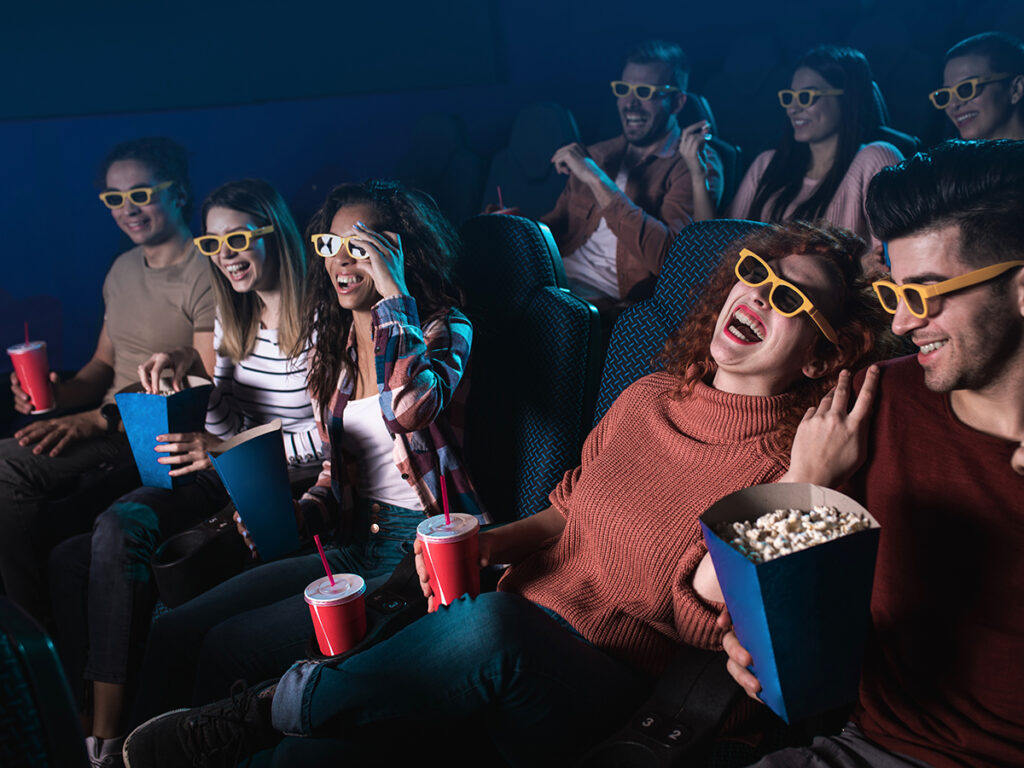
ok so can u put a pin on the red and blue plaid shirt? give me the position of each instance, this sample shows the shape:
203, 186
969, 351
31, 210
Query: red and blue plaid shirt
421, 378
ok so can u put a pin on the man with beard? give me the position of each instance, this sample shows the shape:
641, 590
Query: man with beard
940, 464
626, 198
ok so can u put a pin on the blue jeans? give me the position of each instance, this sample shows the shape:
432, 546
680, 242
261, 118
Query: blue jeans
543, 693
254, 626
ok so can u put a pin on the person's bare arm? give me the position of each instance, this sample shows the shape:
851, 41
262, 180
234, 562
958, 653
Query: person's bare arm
202, 342
88, 386
516, 541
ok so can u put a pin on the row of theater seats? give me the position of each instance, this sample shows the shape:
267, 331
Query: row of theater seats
538, 385
439, 161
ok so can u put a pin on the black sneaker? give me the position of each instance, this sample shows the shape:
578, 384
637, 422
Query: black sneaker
222, 733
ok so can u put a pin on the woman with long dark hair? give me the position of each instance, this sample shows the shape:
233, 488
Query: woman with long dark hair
822, 165
387, 386
601, 589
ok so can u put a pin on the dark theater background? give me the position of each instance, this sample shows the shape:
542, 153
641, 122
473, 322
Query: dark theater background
309, 94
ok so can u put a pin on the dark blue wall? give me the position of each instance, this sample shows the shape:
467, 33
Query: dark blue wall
308, 94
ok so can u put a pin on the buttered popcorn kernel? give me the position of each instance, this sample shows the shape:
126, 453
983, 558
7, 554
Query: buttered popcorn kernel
785, 531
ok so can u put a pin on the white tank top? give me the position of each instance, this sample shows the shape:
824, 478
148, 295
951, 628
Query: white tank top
367, 438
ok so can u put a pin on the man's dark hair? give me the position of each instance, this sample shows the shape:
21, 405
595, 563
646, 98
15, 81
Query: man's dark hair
660, 52
1005, 53
165, 157
976, 185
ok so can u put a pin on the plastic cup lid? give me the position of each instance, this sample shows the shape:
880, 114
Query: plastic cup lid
25, 346
434, 527
346, 587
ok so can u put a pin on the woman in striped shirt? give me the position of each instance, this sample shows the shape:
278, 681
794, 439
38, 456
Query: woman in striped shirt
259, 268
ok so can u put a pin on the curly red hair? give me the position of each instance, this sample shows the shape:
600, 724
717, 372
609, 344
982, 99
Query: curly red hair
858, 320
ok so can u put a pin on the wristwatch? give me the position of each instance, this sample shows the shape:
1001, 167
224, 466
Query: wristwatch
110, 412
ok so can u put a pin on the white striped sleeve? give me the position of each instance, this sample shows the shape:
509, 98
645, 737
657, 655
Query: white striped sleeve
223, 417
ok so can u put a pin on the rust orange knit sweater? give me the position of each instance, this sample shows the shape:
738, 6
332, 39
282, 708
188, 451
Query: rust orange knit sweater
621, 571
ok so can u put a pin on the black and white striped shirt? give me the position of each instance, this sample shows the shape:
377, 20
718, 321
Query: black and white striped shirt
264, 386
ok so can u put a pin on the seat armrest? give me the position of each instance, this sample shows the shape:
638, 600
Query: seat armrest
679, 719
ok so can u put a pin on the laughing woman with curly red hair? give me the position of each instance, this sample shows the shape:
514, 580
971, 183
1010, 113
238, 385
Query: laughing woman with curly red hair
600, 591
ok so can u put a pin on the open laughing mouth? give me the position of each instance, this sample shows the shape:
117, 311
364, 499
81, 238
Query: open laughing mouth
745, 327
237, 270
347, 283
932, 346
634, 120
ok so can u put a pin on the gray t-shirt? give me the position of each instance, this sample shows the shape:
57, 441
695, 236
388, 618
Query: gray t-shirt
153, 310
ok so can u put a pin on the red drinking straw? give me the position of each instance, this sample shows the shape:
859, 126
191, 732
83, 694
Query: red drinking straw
323, 558
444, 502
500, 203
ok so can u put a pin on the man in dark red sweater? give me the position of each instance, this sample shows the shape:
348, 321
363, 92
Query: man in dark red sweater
943, 472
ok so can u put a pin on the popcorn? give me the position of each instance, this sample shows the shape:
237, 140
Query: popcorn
785, 531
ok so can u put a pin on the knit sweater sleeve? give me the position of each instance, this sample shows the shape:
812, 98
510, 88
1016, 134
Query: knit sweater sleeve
694, 616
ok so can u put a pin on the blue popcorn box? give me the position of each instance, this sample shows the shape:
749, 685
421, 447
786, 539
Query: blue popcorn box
802, 616
145, 416
253, 468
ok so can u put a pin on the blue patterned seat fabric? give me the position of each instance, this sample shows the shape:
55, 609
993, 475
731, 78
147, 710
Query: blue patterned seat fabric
640, 331
534, 367
38, 723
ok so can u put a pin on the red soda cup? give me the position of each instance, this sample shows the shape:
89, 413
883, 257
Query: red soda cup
33, 371
451, 553
338, 611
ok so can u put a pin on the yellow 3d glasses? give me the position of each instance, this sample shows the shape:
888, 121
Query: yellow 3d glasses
235, 241
328, 245
643, 91
965, 90
784, 297
113, 198
916, 296
805, 96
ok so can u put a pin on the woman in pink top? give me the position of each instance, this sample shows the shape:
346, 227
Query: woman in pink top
822, 166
